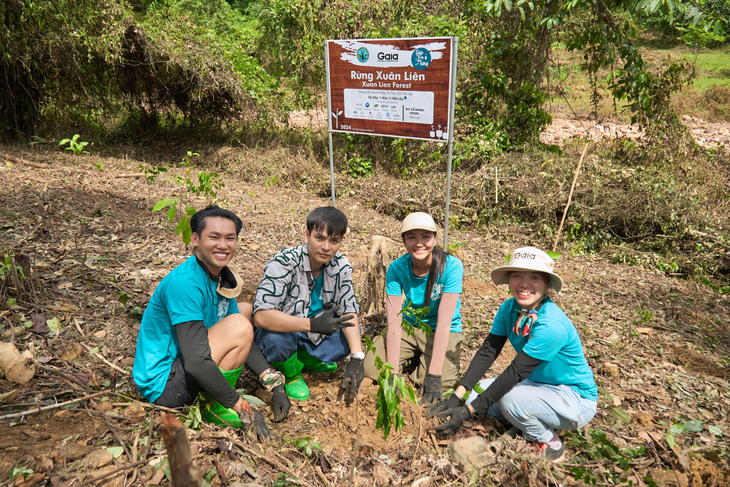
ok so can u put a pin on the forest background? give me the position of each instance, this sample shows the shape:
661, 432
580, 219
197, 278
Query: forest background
194, 95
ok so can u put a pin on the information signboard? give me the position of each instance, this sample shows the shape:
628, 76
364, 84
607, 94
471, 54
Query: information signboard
391, 87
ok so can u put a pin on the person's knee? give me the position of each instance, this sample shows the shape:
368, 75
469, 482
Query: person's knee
513, 405
277, 347
241, 329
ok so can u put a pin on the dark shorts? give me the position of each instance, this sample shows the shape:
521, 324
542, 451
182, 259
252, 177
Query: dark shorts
180, 390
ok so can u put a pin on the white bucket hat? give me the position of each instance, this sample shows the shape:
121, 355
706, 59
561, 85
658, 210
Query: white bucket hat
418, 221
528, 259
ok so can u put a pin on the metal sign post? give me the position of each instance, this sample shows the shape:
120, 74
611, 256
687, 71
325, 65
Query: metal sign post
393, 88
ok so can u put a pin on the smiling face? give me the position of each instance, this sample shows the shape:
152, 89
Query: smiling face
419, 244
321, 247
528, 288
216, 244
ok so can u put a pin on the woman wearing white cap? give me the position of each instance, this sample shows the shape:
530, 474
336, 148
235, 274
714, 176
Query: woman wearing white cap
428, 277
549, 385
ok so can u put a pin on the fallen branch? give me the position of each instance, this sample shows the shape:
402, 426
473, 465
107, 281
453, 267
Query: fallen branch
99, 356
53, 406
18, 160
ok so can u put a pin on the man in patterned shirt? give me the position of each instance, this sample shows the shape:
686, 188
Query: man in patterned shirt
305, 313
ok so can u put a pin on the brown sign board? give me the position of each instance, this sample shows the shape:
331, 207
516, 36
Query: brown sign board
391, 87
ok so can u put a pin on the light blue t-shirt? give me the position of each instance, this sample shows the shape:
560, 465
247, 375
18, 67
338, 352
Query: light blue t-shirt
554, 340
185, 294
401, 280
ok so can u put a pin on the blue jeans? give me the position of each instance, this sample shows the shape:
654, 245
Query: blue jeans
539, 409
278, 347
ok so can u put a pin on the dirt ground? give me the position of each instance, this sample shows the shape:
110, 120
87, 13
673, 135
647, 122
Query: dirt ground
96, 251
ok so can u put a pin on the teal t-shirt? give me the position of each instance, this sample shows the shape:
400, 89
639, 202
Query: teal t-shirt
554, 340
315, 304
185, 294
401, 280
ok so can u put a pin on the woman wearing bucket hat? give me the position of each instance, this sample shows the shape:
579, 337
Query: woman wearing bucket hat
428, 277
549, 385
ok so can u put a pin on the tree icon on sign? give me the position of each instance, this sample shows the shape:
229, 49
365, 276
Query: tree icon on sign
336, 114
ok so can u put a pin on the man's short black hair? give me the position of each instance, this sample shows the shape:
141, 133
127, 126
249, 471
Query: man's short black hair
197, 221
328, 219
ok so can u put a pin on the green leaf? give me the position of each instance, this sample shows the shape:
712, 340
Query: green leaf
620, 414
554, 255
714, 430
11, 302
54, 325
693, 426
163, 203
672, 442
253, 400
171, 212
676, 429
116, 451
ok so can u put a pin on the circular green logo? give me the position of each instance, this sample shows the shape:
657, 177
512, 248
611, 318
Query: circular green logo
421, 58
363, 55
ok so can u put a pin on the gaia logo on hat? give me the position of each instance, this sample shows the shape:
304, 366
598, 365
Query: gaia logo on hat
528, 259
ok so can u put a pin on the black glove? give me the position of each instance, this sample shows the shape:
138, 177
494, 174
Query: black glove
432, 389
351, 383
457, 416
257, 421
452, 402
281, 403
327, 323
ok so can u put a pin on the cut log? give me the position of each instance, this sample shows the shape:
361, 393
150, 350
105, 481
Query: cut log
382, 251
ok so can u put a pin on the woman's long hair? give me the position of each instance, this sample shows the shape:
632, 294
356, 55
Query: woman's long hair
438, 263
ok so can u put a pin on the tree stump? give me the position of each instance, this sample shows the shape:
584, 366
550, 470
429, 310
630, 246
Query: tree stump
382, 251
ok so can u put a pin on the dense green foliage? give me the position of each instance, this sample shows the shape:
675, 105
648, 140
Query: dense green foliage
103, 65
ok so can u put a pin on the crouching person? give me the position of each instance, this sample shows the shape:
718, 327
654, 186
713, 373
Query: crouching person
194, 342
305, 311
549, 385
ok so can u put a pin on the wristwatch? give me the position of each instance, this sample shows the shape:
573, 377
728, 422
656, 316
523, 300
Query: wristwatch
358, 355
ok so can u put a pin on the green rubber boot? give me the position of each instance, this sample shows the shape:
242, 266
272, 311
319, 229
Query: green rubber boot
313, 363
213, 411
295, 386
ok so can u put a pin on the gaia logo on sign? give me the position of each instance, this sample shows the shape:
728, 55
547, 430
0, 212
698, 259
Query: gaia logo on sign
363, 55
421, 58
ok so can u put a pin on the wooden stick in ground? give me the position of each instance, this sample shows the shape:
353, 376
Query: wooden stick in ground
570, 195
52, 406
182, 470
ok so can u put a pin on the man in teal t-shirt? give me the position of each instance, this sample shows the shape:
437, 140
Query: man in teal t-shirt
194, 340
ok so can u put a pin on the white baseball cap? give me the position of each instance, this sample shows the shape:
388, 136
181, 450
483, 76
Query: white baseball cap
528, 259
418, 221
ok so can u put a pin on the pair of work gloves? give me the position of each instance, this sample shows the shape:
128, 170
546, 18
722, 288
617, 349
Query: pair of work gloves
328, 323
